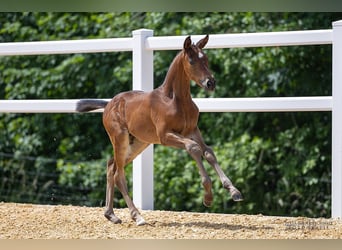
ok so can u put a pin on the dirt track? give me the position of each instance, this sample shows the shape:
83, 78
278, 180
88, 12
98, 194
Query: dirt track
26, 221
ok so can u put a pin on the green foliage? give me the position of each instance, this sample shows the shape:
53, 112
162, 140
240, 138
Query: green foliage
280, 161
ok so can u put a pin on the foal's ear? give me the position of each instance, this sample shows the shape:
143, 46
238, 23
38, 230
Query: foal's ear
201, 43
187, 43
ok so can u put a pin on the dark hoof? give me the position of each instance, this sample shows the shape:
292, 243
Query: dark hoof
113, 218
236, 195
208, 200
207, 203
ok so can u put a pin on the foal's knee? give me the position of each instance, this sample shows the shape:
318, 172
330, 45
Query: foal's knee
194, 149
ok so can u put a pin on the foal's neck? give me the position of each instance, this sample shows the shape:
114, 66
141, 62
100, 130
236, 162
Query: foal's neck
177, 83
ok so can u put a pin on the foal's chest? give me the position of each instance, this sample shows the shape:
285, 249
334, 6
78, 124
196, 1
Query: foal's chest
185, 117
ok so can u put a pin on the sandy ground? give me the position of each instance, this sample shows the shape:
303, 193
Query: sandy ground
27, 221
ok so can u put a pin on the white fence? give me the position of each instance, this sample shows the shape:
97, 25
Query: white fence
142, 44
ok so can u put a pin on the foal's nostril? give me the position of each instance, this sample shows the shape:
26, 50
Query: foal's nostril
211, 84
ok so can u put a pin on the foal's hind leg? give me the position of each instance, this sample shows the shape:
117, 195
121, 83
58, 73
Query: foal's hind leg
126, 148
109, 213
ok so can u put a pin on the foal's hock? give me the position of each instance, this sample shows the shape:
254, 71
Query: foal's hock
168, 116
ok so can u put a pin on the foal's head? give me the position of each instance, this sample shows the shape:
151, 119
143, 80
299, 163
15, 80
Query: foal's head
196, 63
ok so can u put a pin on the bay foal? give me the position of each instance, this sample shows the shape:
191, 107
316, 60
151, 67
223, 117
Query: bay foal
168, 116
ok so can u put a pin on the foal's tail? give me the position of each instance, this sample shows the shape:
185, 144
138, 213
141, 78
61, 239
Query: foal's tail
86, 105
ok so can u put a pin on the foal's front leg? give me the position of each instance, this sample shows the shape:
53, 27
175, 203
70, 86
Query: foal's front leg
209, 155
226, 182
195, 151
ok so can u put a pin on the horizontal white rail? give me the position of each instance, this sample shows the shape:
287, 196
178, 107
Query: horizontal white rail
259, 39
65, 47
252, 104
38, 106
265, 104
242, 40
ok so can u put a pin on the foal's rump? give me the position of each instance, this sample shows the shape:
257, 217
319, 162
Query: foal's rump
86, 105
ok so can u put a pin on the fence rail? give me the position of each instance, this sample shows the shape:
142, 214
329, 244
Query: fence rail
66, 47
260, 39
142, 44
253, 104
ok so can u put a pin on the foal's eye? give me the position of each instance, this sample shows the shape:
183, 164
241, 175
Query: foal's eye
191, 61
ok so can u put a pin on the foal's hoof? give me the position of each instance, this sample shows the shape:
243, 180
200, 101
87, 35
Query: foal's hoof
237, 196
140, 221
207, 203
113, 218
208, 200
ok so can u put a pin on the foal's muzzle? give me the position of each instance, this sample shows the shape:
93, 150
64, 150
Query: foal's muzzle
209, 84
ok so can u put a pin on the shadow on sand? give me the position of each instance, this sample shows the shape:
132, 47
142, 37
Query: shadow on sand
209, 225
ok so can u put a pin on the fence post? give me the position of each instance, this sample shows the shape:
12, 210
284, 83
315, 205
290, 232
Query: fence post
143, 80
336, 193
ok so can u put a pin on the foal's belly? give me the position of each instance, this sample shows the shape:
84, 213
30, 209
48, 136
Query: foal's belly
146, 134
